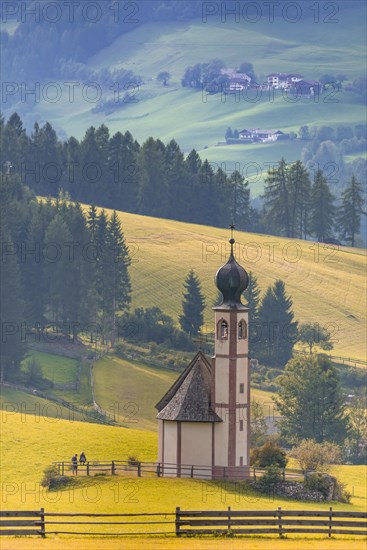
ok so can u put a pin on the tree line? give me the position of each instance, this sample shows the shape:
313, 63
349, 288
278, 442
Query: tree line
63, 272
117, 172
158, 180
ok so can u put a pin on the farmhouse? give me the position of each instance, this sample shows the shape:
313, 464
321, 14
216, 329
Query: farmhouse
256, 134
283, 80
204, 418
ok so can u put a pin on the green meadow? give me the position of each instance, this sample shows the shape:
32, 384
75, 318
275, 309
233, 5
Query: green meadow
199, 121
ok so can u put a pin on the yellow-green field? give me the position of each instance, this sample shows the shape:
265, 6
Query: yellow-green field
327, 285
30, 443
250, 543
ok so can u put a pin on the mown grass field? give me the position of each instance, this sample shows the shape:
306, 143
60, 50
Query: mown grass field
131, 389
30, 444
327, 285
57, 369
310, 48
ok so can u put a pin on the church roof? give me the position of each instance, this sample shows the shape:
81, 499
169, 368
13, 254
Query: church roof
188, 399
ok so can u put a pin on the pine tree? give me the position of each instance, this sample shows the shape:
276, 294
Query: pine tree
349, 214
252, 298
193, 305
321, 208
119, 264
310, 401
278, 328
299, 186
58, 272
276, 200
13, 345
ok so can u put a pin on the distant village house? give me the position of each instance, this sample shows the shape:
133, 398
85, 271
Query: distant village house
264, 136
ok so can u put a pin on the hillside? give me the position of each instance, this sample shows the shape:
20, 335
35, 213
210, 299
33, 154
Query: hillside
130, 390
198, 121
326, 285
47, 441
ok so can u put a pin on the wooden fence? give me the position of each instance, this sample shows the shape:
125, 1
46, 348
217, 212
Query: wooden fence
15, 523
183, 522
167, 469
259, 522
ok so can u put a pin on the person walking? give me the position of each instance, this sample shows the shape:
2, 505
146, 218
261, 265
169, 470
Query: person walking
74, 462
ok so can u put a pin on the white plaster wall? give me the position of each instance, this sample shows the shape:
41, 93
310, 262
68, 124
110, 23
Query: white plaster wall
221, 441
221, 379
170, 445
196, 444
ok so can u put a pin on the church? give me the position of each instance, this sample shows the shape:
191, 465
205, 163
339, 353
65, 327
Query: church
204, 418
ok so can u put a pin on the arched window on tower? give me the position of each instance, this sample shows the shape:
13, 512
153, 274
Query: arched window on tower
242, 330
222, 330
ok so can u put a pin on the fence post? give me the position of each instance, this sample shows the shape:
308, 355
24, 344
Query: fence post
283, 474
229, 518
113, 469
87, 468
177, 522
139, 469
159, 469
63, 469
192, 471
280, 520
331, 519
42, 515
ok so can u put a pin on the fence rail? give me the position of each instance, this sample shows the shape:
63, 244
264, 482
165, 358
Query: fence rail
185, 522
158, 469
261, 522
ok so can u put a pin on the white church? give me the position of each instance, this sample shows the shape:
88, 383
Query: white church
204, 418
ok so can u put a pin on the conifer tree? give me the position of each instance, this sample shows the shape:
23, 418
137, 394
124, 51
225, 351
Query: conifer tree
13, 346
310, 401
193, 305
321, 208
351, 210
278, 328
120, 286
276, 200
252, 298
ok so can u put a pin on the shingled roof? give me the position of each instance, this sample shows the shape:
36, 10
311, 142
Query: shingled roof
188, 399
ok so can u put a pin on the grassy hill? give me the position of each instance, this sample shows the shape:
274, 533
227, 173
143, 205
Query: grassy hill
46, 442
131, 389
170, 112
326, 285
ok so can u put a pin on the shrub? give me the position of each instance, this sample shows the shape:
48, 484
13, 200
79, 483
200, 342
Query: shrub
270, 479
317, 457
320, 482
133, 461
269, 454
52, 480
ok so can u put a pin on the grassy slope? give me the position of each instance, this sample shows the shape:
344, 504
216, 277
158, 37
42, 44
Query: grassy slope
326, 286
14, 401
61, 370
47, 441
136, 388
310, 48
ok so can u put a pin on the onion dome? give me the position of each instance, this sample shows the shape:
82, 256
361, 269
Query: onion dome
231, 279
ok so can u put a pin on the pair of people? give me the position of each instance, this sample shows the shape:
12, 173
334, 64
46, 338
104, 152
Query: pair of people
74, 462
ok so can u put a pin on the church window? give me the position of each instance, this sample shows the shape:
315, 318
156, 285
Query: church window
223, 330
242, 388
241, 425
242, 330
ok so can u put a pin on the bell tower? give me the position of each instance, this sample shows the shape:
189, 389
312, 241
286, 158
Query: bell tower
230, 394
